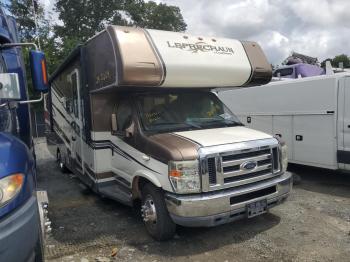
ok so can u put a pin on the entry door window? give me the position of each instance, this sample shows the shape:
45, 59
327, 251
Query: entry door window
74, 80
124, 115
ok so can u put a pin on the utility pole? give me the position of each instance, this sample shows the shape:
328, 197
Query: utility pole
35, 6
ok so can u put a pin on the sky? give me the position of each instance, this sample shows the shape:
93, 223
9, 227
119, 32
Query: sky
318, 28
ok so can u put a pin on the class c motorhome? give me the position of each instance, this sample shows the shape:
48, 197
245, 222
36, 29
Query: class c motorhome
137, 122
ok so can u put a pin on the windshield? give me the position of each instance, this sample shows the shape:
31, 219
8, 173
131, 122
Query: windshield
178, 111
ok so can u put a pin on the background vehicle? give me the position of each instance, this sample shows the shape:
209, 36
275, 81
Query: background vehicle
139, 125
311, 114
22, 207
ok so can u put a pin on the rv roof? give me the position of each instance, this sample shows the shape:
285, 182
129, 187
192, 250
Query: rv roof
128, 56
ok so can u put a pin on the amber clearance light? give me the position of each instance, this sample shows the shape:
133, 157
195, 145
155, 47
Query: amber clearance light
10, 186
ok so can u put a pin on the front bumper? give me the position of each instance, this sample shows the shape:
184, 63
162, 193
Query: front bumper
214, 208
19, 233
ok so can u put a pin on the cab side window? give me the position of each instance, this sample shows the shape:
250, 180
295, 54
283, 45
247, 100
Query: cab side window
124, 115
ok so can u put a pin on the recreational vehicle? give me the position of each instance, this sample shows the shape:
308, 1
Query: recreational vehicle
311, 114
137, 122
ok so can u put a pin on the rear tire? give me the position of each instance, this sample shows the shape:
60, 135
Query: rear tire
155, 214
62, 166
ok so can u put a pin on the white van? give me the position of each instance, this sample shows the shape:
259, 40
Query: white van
137, 123
312, 115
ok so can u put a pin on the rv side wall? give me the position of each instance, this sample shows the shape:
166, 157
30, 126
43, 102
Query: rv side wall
303, 112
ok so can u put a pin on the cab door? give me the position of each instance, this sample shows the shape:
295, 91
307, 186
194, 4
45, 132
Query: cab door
76, 124
122, 162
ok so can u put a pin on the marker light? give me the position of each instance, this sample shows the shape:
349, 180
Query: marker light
10, 186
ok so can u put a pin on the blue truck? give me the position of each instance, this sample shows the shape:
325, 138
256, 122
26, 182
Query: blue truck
23, 208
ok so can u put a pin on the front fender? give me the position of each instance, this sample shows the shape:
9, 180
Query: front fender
147, 175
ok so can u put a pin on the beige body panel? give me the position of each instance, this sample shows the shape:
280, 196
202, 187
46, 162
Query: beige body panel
192, 61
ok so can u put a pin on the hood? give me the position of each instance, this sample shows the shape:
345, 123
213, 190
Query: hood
14, 155
168, 146
220, 136
184, 145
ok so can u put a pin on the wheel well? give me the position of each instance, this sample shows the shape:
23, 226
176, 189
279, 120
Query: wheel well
137, 185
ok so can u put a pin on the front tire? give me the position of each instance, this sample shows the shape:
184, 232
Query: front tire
155, 214
62, 166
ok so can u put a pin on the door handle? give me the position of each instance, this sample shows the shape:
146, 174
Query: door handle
146, 158
73, 138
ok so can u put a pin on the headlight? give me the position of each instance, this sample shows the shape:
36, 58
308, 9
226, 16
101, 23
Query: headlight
284, 156
9, 187
184, 176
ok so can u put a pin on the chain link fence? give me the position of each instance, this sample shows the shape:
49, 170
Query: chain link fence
38, 123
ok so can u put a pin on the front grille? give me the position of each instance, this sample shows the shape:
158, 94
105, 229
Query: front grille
235, 168
230, 168
212, 171
244, 155
246, 176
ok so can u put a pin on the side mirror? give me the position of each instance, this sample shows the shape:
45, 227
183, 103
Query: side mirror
114, 124
129, 132
9, 86
39, 71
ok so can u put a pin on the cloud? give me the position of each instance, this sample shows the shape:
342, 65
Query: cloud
314, 27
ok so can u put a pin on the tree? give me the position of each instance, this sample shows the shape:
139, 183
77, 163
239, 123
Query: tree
84, 18
343, 58
23, 12
156, 16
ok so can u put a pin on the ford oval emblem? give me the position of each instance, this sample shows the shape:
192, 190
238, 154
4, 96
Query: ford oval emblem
248, 165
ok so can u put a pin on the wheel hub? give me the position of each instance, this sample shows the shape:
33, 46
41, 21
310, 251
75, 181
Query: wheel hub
148, 211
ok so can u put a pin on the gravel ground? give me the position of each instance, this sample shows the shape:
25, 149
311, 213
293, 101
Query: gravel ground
313, 225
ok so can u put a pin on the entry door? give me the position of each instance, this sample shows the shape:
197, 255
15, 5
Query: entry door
76, 124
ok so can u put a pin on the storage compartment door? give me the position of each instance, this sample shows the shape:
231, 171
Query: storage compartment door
282, 125
315, 140
261, 123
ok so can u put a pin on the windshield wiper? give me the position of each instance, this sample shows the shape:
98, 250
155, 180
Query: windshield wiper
176, 123
223, 122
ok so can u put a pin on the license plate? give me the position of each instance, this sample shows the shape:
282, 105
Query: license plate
257, 208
